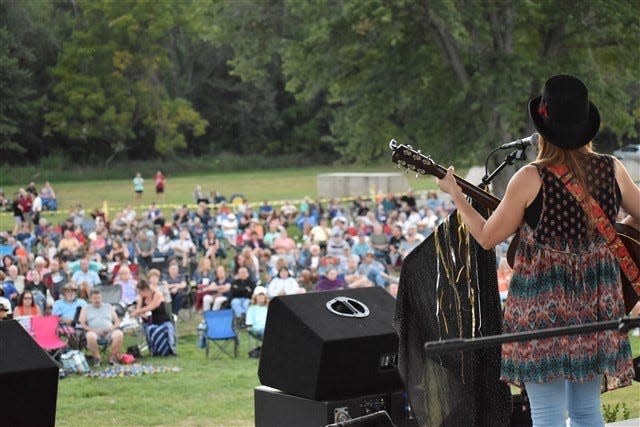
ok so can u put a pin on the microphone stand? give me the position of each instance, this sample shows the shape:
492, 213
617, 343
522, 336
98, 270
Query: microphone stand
518, 154
458, 344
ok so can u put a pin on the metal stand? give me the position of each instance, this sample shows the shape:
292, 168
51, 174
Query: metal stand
519, 154
463, 344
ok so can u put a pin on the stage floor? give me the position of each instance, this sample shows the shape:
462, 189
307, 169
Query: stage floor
634, 422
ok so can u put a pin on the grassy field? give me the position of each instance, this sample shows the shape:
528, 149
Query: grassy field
214, 392
206, 392
275, 185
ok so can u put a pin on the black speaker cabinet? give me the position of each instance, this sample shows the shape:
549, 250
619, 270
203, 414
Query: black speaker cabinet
28, 379
331, 345
274, 408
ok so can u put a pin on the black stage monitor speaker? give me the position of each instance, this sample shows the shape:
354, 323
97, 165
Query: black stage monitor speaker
28, 379
274, 408
330, 345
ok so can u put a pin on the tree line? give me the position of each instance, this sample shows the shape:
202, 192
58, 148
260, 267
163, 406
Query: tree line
95, 81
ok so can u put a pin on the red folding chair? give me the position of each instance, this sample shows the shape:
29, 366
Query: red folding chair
45, 332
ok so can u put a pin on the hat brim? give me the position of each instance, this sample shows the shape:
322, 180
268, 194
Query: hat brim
566, 137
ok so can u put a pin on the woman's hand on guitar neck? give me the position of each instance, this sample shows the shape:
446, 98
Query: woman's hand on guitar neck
448, 184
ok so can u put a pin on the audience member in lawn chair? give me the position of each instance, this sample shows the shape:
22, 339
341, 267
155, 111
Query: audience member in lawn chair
101, 323
242, 287
220, 289
257, 317
68, 310
160, 331
204, 277
26, 306
85, 274
175, 282
153, 278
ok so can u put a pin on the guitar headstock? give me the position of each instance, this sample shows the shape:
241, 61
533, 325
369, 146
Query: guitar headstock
405, 156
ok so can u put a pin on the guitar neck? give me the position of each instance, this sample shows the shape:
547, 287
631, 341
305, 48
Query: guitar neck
406, 156
476, 193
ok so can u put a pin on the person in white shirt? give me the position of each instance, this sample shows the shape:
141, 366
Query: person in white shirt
184, 247
283, 284
229, 226
36, 209
85, 275
411, 239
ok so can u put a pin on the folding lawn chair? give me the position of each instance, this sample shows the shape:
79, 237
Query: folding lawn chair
255, 341
112, 294
219, 329
45, 332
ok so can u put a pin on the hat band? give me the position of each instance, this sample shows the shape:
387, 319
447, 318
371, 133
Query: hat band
542, 109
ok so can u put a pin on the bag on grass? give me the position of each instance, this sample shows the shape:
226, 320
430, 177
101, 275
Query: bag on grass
126, 359
162, 339
134, 350
74, 361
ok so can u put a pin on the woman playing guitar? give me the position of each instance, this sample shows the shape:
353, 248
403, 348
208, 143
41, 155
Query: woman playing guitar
564, 272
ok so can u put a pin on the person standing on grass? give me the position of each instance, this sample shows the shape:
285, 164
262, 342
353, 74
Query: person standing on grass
160, 182
138, 186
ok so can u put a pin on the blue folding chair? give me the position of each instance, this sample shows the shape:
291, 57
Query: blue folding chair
220, 330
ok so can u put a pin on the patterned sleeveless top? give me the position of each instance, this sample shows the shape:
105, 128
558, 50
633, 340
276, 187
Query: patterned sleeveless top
565, 275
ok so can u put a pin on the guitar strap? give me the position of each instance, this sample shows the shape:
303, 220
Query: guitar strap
595, 213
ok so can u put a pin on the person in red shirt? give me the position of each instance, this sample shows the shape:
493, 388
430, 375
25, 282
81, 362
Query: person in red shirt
25, 202
160, 182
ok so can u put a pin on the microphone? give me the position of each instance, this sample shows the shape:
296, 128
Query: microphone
521, 143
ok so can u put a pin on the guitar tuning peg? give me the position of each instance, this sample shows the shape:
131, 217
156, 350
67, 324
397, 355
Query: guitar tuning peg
417, 175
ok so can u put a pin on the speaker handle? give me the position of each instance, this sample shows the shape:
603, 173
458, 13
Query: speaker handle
347, 307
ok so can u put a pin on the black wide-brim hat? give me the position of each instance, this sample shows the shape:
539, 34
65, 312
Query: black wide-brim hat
563, 114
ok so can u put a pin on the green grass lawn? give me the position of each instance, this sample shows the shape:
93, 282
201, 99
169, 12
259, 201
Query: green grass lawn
213, 392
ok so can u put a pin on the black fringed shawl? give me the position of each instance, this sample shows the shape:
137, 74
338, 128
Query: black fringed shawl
448, 289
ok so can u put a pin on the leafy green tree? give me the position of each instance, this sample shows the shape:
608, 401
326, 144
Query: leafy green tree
267, 117
15, 92
454, 76
109, 88
451, 77
30, 34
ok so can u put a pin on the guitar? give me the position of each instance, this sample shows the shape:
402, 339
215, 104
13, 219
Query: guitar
407, 157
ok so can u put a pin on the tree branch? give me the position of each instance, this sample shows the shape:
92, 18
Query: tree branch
447, 43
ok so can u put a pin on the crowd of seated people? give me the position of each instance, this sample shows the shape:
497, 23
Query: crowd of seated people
223, 251
215, 254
